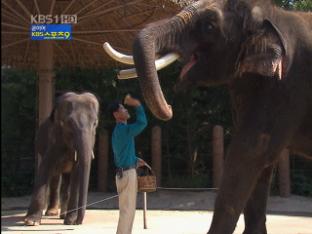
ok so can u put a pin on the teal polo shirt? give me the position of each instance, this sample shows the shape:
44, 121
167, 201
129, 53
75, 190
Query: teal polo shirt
123, 139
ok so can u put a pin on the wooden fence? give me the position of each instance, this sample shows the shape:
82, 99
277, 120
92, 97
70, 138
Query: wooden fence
217, 154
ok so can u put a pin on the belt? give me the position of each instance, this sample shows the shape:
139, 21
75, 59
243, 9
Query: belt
120, 170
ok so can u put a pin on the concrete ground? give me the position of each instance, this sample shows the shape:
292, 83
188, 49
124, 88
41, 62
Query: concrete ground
168, 212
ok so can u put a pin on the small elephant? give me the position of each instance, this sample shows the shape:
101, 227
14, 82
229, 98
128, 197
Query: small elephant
65, 142
264, 54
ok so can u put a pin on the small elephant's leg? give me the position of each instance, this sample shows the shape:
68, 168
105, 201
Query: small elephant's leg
54, 196
71, 213
38, 200
64, 194
255, 209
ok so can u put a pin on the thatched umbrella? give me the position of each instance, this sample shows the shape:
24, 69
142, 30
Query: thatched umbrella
116, 21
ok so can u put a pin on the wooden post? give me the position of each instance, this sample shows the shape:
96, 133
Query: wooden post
218, 155
284, 174
45, 78
46, 85
156, 153
103, 151
144, 209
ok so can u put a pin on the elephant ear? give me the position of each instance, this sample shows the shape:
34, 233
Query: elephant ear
264, 49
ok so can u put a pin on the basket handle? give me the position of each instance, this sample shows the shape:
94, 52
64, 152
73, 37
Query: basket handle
148, 166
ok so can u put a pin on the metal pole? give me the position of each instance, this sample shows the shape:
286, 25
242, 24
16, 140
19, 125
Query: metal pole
144, 209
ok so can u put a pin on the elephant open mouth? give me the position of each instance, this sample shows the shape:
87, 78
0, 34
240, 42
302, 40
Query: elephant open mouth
188, 66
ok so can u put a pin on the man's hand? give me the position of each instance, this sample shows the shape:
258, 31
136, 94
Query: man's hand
130, 101
140, 162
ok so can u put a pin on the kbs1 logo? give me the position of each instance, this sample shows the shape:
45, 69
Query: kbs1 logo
53, 19
49, 27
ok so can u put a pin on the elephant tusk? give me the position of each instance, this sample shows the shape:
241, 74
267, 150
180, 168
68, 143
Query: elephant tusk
126, 59
159, 64
127, 74
75, 159
92, 155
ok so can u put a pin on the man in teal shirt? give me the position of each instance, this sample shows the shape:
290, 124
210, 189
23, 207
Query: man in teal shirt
126, 161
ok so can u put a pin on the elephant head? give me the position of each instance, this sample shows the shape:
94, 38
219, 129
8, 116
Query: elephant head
216, 40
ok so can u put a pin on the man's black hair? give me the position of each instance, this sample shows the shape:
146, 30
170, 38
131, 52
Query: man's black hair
112, 107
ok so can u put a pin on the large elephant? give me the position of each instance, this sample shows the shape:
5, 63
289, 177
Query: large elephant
264, 54
65, 141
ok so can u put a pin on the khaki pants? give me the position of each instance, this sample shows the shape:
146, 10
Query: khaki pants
127, 188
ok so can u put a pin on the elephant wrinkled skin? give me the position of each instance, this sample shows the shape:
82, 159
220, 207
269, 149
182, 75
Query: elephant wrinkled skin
263, 53
65, 143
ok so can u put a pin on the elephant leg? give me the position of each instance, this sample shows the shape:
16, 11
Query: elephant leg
38, 200
54, 197
64, 194
236, 186
255, 209
71, 213
248, 157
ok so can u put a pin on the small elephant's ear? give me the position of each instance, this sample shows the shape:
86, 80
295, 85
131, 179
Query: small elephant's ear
263, 52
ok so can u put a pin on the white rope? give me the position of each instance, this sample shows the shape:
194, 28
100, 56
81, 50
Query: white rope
161, 188
187, 189
90, 204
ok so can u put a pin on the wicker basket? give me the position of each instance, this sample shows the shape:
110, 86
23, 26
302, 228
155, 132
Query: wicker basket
146, 179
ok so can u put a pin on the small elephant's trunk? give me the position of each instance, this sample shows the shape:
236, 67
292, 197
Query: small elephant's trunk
85, 152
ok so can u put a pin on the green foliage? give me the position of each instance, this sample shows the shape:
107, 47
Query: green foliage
185, 181
302, 184
304, 5
301, 176
18, 124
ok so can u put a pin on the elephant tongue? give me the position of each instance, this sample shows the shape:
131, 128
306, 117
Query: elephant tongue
188, 66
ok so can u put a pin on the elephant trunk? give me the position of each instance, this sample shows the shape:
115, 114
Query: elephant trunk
153, 40
84, 153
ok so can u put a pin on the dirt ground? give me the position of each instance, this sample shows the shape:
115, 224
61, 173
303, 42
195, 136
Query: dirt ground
168, 212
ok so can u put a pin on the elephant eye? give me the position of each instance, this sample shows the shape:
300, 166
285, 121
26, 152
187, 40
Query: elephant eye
207, 28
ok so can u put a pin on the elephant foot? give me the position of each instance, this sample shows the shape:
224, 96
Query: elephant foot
255, 232
62, 216
79, 221
63, 212
32, 221
70, 219
70, 222
52, 212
